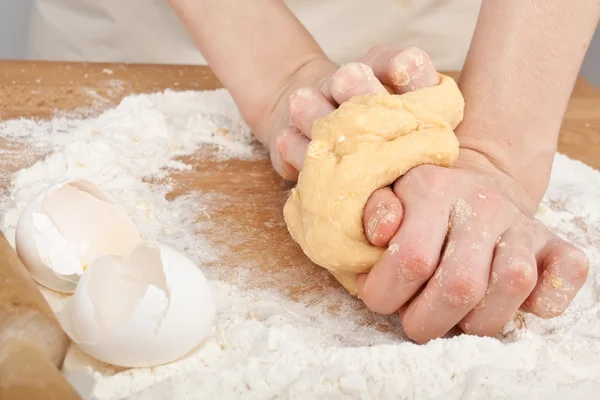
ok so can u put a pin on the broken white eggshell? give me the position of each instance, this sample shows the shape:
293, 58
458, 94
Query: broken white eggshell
66, 227
149, 309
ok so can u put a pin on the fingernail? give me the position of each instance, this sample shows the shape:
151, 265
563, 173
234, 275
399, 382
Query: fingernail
360, 283
401, 76
360, 70
383, 215
410, 70
350, 76
372, 225
292, 147
298, 101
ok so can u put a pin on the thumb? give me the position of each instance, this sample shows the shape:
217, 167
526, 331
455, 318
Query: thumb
382, 216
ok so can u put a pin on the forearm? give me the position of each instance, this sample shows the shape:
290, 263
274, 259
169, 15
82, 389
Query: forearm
254, 47
518, 77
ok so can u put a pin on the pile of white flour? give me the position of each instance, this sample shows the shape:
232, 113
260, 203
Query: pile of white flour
264, 345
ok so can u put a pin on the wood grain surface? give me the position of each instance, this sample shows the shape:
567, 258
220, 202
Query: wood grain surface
245, 197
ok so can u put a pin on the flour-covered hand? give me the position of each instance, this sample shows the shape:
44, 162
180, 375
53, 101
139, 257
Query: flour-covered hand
402, 70
465, 255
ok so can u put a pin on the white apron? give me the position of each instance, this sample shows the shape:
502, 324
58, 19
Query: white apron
148, 31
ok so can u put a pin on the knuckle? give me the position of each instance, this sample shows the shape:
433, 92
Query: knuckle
517, 277
462, 290
413, 263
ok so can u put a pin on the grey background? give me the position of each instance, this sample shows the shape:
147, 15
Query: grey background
14, 18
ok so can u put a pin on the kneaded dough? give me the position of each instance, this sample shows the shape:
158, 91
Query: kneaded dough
366, 144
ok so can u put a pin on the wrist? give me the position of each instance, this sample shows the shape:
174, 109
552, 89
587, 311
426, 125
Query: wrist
517, 136
526, 170
517, 82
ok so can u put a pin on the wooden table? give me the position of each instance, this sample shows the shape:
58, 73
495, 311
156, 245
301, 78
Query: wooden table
37, 89
255, 199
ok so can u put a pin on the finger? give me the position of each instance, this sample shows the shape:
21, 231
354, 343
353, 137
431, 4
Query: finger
382, 216
307, 105
461, 279
412, 255
324, 86
404, 69
353, 79
292, 144
513, 277
562, 270
283, 169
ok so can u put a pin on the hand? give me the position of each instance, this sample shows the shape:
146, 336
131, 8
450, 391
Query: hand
462, 249
402, 70
465, 255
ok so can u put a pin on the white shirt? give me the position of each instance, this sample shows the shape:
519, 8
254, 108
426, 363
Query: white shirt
148, 31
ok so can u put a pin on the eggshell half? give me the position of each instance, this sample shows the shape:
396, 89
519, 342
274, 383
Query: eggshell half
66, 227
147, 310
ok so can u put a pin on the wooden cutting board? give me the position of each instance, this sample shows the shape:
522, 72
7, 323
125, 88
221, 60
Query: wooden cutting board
246, 210
255, 195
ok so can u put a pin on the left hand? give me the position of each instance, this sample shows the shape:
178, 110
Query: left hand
402, 70
462, 248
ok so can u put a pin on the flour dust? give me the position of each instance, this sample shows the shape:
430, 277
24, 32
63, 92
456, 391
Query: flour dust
265, 345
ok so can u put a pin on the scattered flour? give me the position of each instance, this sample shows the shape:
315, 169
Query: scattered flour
264, 345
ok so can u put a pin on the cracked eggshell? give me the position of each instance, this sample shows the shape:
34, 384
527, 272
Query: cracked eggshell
66, 227
150, 309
